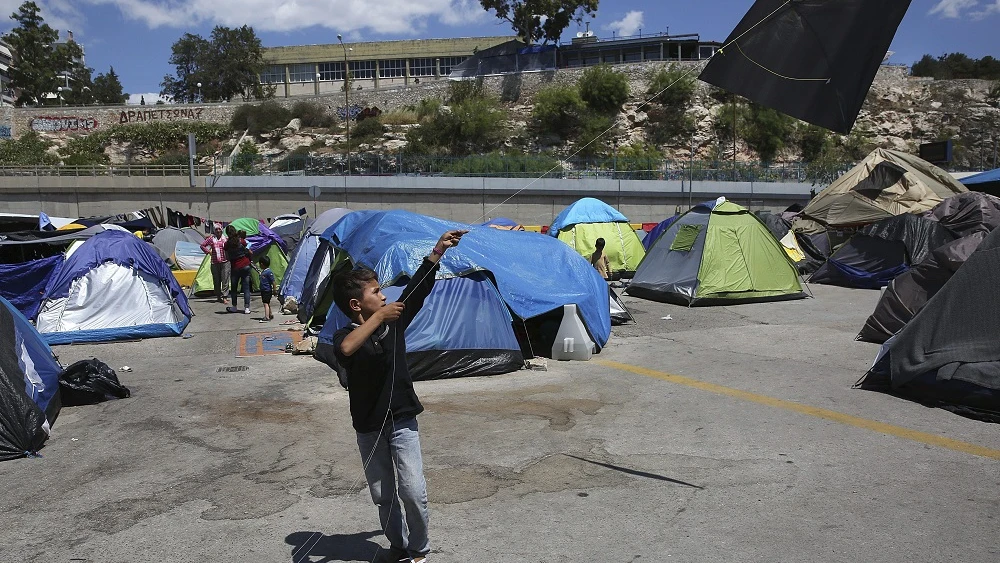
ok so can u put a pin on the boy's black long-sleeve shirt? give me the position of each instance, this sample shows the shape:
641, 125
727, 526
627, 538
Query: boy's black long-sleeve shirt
378, 368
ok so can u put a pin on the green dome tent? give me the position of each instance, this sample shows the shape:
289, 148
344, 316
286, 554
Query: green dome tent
588, 219
717, 253
263, 242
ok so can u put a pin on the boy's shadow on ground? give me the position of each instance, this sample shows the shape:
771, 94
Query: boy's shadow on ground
315, 547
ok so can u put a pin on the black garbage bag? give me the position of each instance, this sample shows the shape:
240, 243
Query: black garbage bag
89, 382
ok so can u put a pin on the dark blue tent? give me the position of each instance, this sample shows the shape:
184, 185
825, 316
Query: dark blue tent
29, 385
494, 283
138, 296
656, 231
24, 284
988, 182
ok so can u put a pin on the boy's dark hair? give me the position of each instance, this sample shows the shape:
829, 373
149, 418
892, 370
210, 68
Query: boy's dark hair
599, 243
350, 284
264, 261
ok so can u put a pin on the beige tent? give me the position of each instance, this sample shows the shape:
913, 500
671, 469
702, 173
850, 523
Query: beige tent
884, 184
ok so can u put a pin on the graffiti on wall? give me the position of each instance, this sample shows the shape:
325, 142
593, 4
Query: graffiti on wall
141, 116
51, 124
358, 112
6, 132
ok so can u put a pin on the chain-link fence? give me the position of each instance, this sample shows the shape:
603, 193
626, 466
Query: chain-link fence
526, 166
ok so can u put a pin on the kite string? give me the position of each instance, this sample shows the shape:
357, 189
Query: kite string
646, 102
779, 75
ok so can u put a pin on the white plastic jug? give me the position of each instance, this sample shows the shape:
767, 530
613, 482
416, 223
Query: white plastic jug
572, 341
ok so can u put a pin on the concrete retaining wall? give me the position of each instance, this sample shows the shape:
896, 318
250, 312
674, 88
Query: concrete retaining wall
531, 202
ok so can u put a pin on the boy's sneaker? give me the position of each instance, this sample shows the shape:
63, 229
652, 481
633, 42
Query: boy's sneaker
246, 311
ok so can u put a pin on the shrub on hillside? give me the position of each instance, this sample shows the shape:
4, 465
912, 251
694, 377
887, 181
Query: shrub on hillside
475, 125
669, 94
29, 150
557, 113
260, 118
765, 131
368, 128
603, 89
463, 90
312, 114
399, 117
428, 108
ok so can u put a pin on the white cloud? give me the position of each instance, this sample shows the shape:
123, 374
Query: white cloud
340, 16
150, 97
952, 8
628, 25
988, 10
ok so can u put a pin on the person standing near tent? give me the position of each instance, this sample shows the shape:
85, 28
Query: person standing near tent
215, 246
239, 257
599, 260
266, 286
372, 354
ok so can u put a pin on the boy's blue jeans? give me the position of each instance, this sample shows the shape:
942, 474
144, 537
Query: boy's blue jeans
397, 456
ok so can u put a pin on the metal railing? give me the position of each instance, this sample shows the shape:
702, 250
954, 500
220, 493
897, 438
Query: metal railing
526, 166
106, 170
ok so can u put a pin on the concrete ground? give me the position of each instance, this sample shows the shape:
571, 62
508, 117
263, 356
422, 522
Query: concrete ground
720, 434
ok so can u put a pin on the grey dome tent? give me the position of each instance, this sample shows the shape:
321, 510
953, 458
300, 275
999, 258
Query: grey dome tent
949, 354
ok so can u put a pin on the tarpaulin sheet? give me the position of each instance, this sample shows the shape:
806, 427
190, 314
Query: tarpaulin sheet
24, 284
534, 273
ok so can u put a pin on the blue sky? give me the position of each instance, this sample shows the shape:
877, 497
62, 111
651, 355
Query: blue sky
135, 36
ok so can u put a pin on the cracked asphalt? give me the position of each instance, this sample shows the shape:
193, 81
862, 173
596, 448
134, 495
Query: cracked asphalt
209, 461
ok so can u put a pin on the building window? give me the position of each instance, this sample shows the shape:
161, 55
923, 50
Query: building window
273, 74
301, 73
362, 69
448, 62
705, 51
633, 56
392, 68
331, 71
422, 67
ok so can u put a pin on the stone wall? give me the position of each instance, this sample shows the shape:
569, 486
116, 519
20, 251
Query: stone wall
60, 121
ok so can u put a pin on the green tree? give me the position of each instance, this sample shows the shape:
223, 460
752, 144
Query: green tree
41, 58
558, 112
227, 66
603, 89
526, 16
669, 93
475, 125
107, 89
765, 130
814, 142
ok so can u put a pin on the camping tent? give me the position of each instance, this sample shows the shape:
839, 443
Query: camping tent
588, 219
291, 228
113, 287
716, 253
881, 251
294, 279
24, 284
971, 215
655, 232
948, 354
262, 241
165, 240
29, 385
988, 182
884, 184
512, 280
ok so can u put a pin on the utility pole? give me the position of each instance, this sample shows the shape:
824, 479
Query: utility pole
347, 102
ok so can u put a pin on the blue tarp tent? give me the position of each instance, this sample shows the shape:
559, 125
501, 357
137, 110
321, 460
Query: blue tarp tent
113, 287
585, 210
531, 274
988, 182
29, 385
24, 284
298, 264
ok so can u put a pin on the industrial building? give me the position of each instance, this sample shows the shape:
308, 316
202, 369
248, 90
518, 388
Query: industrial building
310, 70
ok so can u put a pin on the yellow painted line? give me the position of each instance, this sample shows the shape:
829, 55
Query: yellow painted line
826, 414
